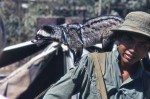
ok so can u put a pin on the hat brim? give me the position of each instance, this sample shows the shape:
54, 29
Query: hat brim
133, 30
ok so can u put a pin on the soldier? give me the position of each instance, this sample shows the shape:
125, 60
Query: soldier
123, 74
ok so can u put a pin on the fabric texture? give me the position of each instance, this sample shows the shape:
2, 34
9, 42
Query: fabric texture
82, 79
99, 63
137, 25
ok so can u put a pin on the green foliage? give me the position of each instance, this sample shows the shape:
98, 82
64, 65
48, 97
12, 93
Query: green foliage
8, 11
136, 4
21, 22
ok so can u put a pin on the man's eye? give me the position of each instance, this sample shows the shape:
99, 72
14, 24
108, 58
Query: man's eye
127, 39
144, 45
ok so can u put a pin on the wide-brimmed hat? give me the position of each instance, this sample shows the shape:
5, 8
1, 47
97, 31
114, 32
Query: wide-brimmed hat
136, 22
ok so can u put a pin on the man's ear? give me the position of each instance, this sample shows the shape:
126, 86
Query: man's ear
146, 62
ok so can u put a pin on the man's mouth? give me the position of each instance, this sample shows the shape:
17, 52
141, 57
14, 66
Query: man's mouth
129, 57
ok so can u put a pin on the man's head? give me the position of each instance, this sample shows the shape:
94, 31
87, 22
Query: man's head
134, 37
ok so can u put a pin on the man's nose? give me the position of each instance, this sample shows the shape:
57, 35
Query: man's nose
133, 47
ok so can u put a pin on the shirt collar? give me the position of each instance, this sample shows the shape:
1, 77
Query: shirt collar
137, 73
115, 52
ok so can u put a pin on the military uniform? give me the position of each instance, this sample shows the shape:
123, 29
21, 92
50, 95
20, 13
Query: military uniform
82, 79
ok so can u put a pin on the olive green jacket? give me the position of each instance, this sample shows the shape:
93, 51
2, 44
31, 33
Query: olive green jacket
82, 79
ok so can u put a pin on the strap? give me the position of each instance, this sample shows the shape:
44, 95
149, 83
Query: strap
99, 63
41, 95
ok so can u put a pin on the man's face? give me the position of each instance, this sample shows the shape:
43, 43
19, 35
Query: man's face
132, 48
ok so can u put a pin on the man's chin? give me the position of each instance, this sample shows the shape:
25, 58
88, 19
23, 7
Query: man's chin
129, 61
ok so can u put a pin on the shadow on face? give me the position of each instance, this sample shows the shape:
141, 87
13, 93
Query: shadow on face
132, 47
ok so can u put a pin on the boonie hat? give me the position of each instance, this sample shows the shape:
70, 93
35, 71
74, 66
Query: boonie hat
136, 22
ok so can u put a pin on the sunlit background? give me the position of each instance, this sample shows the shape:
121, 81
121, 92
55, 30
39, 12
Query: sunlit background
23, 18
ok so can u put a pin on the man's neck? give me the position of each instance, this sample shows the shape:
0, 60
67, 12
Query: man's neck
127, 70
